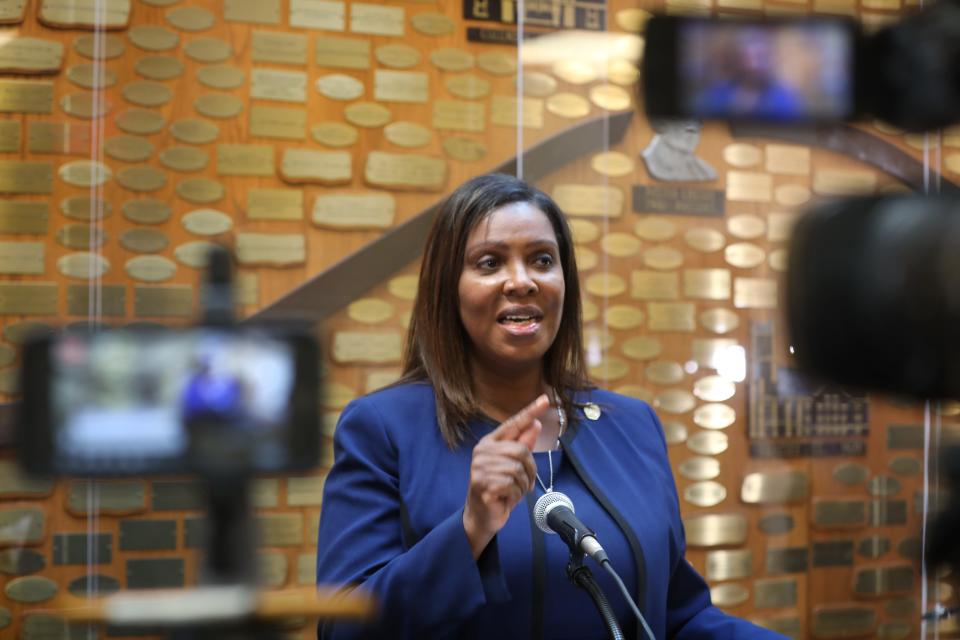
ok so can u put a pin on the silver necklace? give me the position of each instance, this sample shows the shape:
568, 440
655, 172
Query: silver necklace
561, 418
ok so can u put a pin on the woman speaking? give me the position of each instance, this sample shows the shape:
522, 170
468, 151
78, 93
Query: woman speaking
429, 504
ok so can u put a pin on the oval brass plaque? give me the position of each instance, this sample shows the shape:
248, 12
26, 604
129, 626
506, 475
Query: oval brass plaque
85, 208
791, 194
874, 546
150, 268
334, 134
432, 23
705, 494
742, 155
632, 20
883, 486
140, 121
221, 76
452, 59
208, 50
85, 173
708, 443
662, 258
106, 46
405, 134
674, 432
464, 149
91, 76
339, 86
184, 159
715, 529
622, 316
200, 190
597, 338
612, 163
153, 38
142, 178
778, 260
194, 131
699, 468
674, 401
83, 265
194, 254
729, 595
851, 473
586, 258
370, 310
95, 583
536, 84
641, 348
397, 56
622, 72
218, 105
207, 222
774, 487
719, 320
583, 230
190, 18
575, 71
568, 105
403, 287
128, 148
705, 240
609, 369
159, 67
746, 227
655, 229
774, 524
620, 245
146, 211
744, 255
905, 466
144, 240
605, 284
714, 389
367, 114
19, 332
467, 86
610, 97
496, 63
85, 105
664, 372
714, 416
30, 589
81, 236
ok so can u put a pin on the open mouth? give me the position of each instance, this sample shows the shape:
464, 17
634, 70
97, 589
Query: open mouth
520, 316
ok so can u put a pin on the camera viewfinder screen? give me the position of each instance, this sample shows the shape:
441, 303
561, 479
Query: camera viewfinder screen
119, 398
780, 72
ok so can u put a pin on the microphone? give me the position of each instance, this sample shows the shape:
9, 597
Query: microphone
554, 513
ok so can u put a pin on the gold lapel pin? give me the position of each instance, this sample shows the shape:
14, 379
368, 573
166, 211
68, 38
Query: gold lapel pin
592, 411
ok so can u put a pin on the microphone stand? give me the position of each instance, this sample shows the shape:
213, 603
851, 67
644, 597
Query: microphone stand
580, 575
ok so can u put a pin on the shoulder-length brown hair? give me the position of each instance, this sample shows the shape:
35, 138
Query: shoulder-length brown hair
438, 347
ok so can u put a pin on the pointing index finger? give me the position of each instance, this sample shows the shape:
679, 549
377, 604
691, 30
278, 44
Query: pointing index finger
516, 425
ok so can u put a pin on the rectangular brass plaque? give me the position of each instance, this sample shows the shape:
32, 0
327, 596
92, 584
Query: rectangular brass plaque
880, 581
775, 593
12, 11
26, 177
10, 135
789, 627
21, 258
779, 226
755, 293
843, 513
774, 487
682, 200
503, 112
458, 115
273, 84
729, 565
715, 529
706, 284
885, 5
272, 569
788, 159
113, 300
354, 211
247, 289
281, 529
342, 53
148, 535
836, 182
114, 497
31, 55
843, 622
19, 216
14, 483
271, 249
313, 526
305, 492
245, 160
671, 316
589, 200
26, 96
317, 167
274, 204
64, 138
749, 186
252, 11
376, 19
21, 526
318, 14
155, 573
885, 513
405, 171
904, 436
177, 495
284, 123
194, 533
33, 298
400, 86
85, 14
282, 48
74, 548
265, 493
833, 553
163, 302
361, 347
654, 285
787, 560
306, 568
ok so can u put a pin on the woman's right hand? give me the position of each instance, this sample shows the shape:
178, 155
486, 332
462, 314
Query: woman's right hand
501, 472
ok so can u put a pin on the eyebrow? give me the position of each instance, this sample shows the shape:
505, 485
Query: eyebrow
499, 244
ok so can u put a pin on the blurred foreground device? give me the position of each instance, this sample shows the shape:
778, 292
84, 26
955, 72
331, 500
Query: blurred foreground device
805, 70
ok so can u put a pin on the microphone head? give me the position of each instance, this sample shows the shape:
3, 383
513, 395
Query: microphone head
547, 503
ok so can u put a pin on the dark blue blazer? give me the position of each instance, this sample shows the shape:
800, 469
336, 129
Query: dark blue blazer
392, 522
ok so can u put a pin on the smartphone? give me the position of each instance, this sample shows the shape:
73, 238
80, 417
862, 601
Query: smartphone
774, 70
142, 401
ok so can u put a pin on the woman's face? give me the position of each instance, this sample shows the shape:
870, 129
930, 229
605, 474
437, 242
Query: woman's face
511, 287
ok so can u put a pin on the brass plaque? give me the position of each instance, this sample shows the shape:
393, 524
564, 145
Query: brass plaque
619, 244
467, 86
747, 186
699, 468
146, 210
142, 178
893, 631
334, 134
21, 526
879, 581
713, 415
788, 159
280, 529
496, 63
673, 432
589, 200
342, 53
100, 46
616, 164
653, 285
664, 372
20, 561
622, 316
452, 59
329, 15
128, 148
874, 546
221, 76
641, 348
742, 155
706, 284
775, 487
194, 131
59, 138
30, 589
148, 535
200, 190
305, 492
608, 369
851, 473
575, 71
155, 573
904, 436
113, 300
605, 285
754, 293
744, 255
218, 105
610, 97
505, 110
403, 287
274, 204
883, 486
715, 530
140, 121
26, 177
7, 357
405, 171
272, 569
715, 389
586, 258
456, 115
113, 498
147, 93
900, 607
176, 495
354, 347
83, 265
247, 291
12, 12
369, 310
144, 240
306, 568
375, 19
400, 86
21, 258
662, 258
271, 249
316, 167
432, 23
729, 565
84, 173
85, 14
705, 240
791, 194
281, 48
779, 226
97, 583
708, 443
339, 86
464, 149
836, 182
786, 560
184, 159
14, 483
31, 55
278, 122
190, 18
19, 332
746, 227
265, 493
568, 105
26, 96
887, 513
905, 466
167, 302
367, 114
273, 84
729, 595
719, 320
208, 50
840, 513
778, 260
245, 160
397, 56
670, 316
774, 524
194, 254
775, 593
150, 268
207, 222
336, 395
153, 38
705, 494
252, 11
